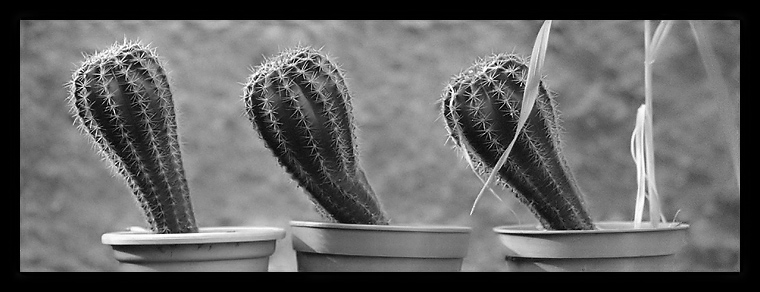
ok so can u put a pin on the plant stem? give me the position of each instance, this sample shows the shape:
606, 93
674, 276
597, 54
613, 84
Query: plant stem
651, 185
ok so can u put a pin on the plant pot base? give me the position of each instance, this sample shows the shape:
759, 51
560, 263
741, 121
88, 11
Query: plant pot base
218, 257
213, 249
315, 262
665, 263
613, 247
336, 247
259, 264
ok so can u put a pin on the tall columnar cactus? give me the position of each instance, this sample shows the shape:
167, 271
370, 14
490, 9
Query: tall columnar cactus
481, 107
301, 107
121, 97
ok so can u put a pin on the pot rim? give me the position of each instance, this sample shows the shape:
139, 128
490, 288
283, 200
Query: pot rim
370, 227
602, 227
204, 235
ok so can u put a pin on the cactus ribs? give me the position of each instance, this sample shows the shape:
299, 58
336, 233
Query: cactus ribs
301, 107
121, 98
481, 107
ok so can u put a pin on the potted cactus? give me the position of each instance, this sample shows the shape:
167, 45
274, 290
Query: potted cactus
300, 105
121, 98
483, 107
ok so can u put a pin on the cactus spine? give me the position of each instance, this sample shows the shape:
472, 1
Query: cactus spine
481, 107
301, 107
121, 97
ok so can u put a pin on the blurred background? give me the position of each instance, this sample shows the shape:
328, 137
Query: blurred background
396, 71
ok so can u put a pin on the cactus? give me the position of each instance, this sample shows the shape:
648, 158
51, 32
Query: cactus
299, 104
481, 107
121, 97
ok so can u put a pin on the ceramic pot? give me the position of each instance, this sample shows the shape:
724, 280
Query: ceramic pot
613, 247
336, 247
212, 249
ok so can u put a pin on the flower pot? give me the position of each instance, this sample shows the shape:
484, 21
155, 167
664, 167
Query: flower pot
613, 247
212, 249
336, 247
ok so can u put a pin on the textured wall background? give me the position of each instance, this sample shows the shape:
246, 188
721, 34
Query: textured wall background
396, 71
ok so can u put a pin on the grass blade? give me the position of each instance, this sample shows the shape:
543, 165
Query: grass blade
637, 152
659, 35
529, 97
729, 112
462, 144
650, 45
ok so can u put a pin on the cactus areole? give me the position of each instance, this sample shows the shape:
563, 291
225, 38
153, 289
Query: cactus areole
300, 105
121, 98
481, 107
